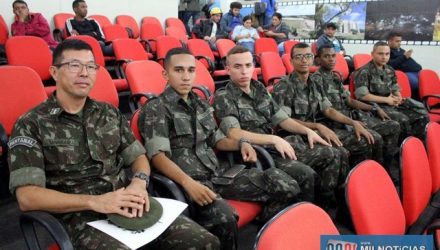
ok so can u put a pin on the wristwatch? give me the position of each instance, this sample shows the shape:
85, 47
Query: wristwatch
374, 109
241, 141
143, 176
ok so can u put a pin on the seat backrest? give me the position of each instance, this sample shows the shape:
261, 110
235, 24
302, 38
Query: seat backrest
429, 84
297, 227
114, 31
287, 63
129, 49
136, 73
101, 19
134, 126
97, 51
341, 66
416, 179
288, 46
128, 22
360, 60
164, 44
177, 33
204, 78
175, 22
104, 89
271, 66
21, 89
30, 51
373, 201
224, 46
432, 142
405, 87
314, 47
4, 31
59, 21
199, 47
265, 44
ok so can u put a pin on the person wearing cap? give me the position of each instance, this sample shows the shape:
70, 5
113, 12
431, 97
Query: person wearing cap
68, 155
210, 30
329, 38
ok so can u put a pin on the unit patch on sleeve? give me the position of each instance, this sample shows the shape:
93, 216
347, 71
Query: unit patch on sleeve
23, 141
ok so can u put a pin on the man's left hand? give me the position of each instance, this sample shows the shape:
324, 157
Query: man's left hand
360, 130
139, 186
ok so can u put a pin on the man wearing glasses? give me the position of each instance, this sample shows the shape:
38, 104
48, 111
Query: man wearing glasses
67, 156
301, 96
246, 109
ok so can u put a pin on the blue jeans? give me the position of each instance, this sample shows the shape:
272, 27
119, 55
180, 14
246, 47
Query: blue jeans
413, 78
267, 19
281, 48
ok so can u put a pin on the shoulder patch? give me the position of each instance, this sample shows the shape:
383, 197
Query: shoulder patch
23, 141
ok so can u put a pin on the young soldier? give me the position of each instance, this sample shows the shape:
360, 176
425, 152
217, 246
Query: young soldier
67, 156
180, 137
376, 82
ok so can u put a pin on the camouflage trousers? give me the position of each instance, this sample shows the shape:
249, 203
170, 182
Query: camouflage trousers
411, 116
390, 131
272, 187
183, 233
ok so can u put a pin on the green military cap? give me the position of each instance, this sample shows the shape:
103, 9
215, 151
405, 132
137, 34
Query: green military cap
147, 220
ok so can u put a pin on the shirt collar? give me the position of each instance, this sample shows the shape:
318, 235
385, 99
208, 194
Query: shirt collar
54, 109
172, 96
237, 92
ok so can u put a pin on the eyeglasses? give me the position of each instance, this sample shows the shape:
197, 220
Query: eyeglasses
76, 67
300, 57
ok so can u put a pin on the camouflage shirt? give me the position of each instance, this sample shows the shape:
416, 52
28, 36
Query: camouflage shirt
184, 130
301, 101
334, 90
256, 112
78, 154
369, 79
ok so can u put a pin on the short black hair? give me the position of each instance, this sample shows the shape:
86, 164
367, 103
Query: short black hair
238, 49
19, 1
68, 44
277, 14
299, 46
235, 5
331, 24
393, 34
245, 18
76, 3
379, 44
321, 49
173, 52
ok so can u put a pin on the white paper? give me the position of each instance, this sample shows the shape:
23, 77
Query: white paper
134, 240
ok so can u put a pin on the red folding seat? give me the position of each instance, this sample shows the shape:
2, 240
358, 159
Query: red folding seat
4, 31
175, 22
101, 19
287, 63
177, 33
429, 92
288, 45
360, 60
405, 87
129, 23
204, 85
272, 67
59, 20
265, 44
224, 46
341, 66
104, 89
114, 31
432, 142
201, 50
128, 50
164, 44
151, 28
314, 47
297, 227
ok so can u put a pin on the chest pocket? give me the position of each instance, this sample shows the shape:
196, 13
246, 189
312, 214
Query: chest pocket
378, 86
109, 136
61, 151
182, 124
247, 113
300, 106
335, 97
264, 109
207, 121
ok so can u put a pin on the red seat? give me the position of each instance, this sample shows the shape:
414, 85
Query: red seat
104, 89
201, 50
114, 31
287, 63
59, 21
265, 44
314, 47
272, 67
4, 31
177, 33
432, 142
297, 227
288, 45
130, 23
224, 46
21, 90
360, 60
203, 78
373, 201
151, 29
429, 91
405, 87
175, 22
164, 44
341, 66
247, 211
127, 49
101, 19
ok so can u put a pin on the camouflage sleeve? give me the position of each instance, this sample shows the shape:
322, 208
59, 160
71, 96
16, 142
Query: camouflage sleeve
394, 85
25, 158
361, 83
279, 114
153, 126
281, 94
226, 111
324, 102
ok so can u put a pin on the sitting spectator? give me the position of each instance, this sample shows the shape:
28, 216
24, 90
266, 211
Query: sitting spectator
210, 30
329, 38
278, 30
30, 24
80, 25
245, 34
233, 18
402, 60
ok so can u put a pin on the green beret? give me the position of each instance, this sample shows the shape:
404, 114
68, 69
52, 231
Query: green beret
139, 223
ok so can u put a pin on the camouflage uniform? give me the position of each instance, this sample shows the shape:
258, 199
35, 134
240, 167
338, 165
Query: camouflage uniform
85, 154
389, 130
306, 102
258, 113
168, 125
411, 114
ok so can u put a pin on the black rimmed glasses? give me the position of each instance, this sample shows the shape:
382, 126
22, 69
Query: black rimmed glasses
300, 57
76, 67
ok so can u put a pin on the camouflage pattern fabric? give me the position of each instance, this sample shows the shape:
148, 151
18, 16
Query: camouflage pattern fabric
411, 114
79, 154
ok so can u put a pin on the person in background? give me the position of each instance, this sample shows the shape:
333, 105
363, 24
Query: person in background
278, 30
189, 9
329, 38
402, 60
245, 35
233, 18
210, 30
30, 24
